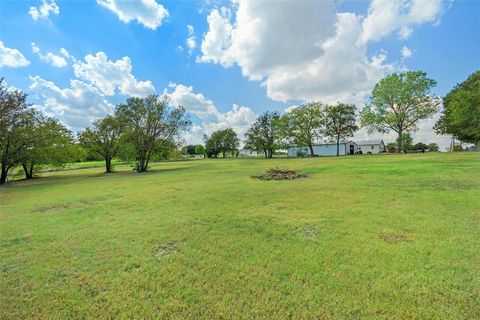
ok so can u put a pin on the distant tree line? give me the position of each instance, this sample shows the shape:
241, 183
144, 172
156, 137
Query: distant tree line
148, 129
141, 129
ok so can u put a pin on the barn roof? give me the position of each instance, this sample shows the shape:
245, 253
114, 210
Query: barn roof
317, 144
368, 142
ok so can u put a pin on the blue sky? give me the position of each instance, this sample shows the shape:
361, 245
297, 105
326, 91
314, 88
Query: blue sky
226, 61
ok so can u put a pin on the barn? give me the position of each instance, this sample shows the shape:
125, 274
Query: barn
372, 146
324, 149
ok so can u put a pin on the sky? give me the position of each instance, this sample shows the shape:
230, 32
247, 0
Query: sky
227, 62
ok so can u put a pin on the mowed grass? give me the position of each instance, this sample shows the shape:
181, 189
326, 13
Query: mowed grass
387, 236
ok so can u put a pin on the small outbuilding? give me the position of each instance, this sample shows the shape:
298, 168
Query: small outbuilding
372, 146
324, 149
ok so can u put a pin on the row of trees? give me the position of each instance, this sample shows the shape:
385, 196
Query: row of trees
398, 103
145, 127
148, 124
28, 138
302, 125
408, 145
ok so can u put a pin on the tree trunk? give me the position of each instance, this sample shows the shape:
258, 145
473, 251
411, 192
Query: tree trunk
223, 153
311, 150
338, 145
108, 165
399, 142
28, 173
141, 163
265, 152
3, 176
270, 153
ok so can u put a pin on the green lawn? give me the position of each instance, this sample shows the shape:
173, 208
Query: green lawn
388, 236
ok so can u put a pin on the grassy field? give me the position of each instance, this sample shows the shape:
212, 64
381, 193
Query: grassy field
388, 236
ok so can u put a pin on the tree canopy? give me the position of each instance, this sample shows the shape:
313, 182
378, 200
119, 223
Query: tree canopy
340, 122
151, 125
51, 145
461, 111
221, 141
264, 134
103, 138
16, 122
303, 125
399, 102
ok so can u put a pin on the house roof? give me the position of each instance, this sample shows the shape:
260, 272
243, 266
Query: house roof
369, 142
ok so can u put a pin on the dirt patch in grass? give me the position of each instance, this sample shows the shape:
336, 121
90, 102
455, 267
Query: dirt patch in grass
73, 205
394, 237
307, 231
280, 174
165, 250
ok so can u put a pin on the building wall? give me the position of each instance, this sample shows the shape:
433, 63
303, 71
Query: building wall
321, 150
248, 153
373, 148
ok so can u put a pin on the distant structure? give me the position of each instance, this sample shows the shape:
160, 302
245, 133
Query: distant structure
372, 146
324, 149
247, 153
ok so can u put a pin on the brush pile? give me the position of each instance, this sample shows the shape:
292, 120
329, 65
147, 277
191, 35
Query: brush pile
281, 174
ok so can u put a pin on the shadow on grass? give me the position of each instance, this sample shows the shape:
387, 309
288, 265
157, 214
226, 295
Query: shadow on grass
74, 175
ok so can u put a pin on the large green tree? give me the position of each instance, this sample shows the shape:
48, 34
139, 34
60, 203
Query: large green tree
16, 122
399, 102
221, 141
52, 145
152, 126
103, 138
340, 122
303, 125
461, 111
264, 134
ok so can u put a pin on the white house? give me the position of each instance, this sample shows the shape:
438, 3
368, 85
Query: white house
324, 149
372, 146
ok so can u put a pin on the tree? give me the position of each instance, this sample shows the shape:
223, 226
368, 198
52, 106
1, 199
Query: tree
406, 141
433, 147
399, 102
420, 146
221, 141
16, 134
52, 145
461, 111
199, 149
103, 139
340, 122
303, 125
190, 149
152, 125
264, 134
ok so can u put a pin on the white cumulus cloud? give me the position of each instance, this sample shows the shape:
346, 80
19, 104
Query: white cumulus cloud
44, 10
76, 106
239, 117
387, 16
12, 57
217, 40
406, 52
149, 13
304, 50
49, 57
191, 41
108, 76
